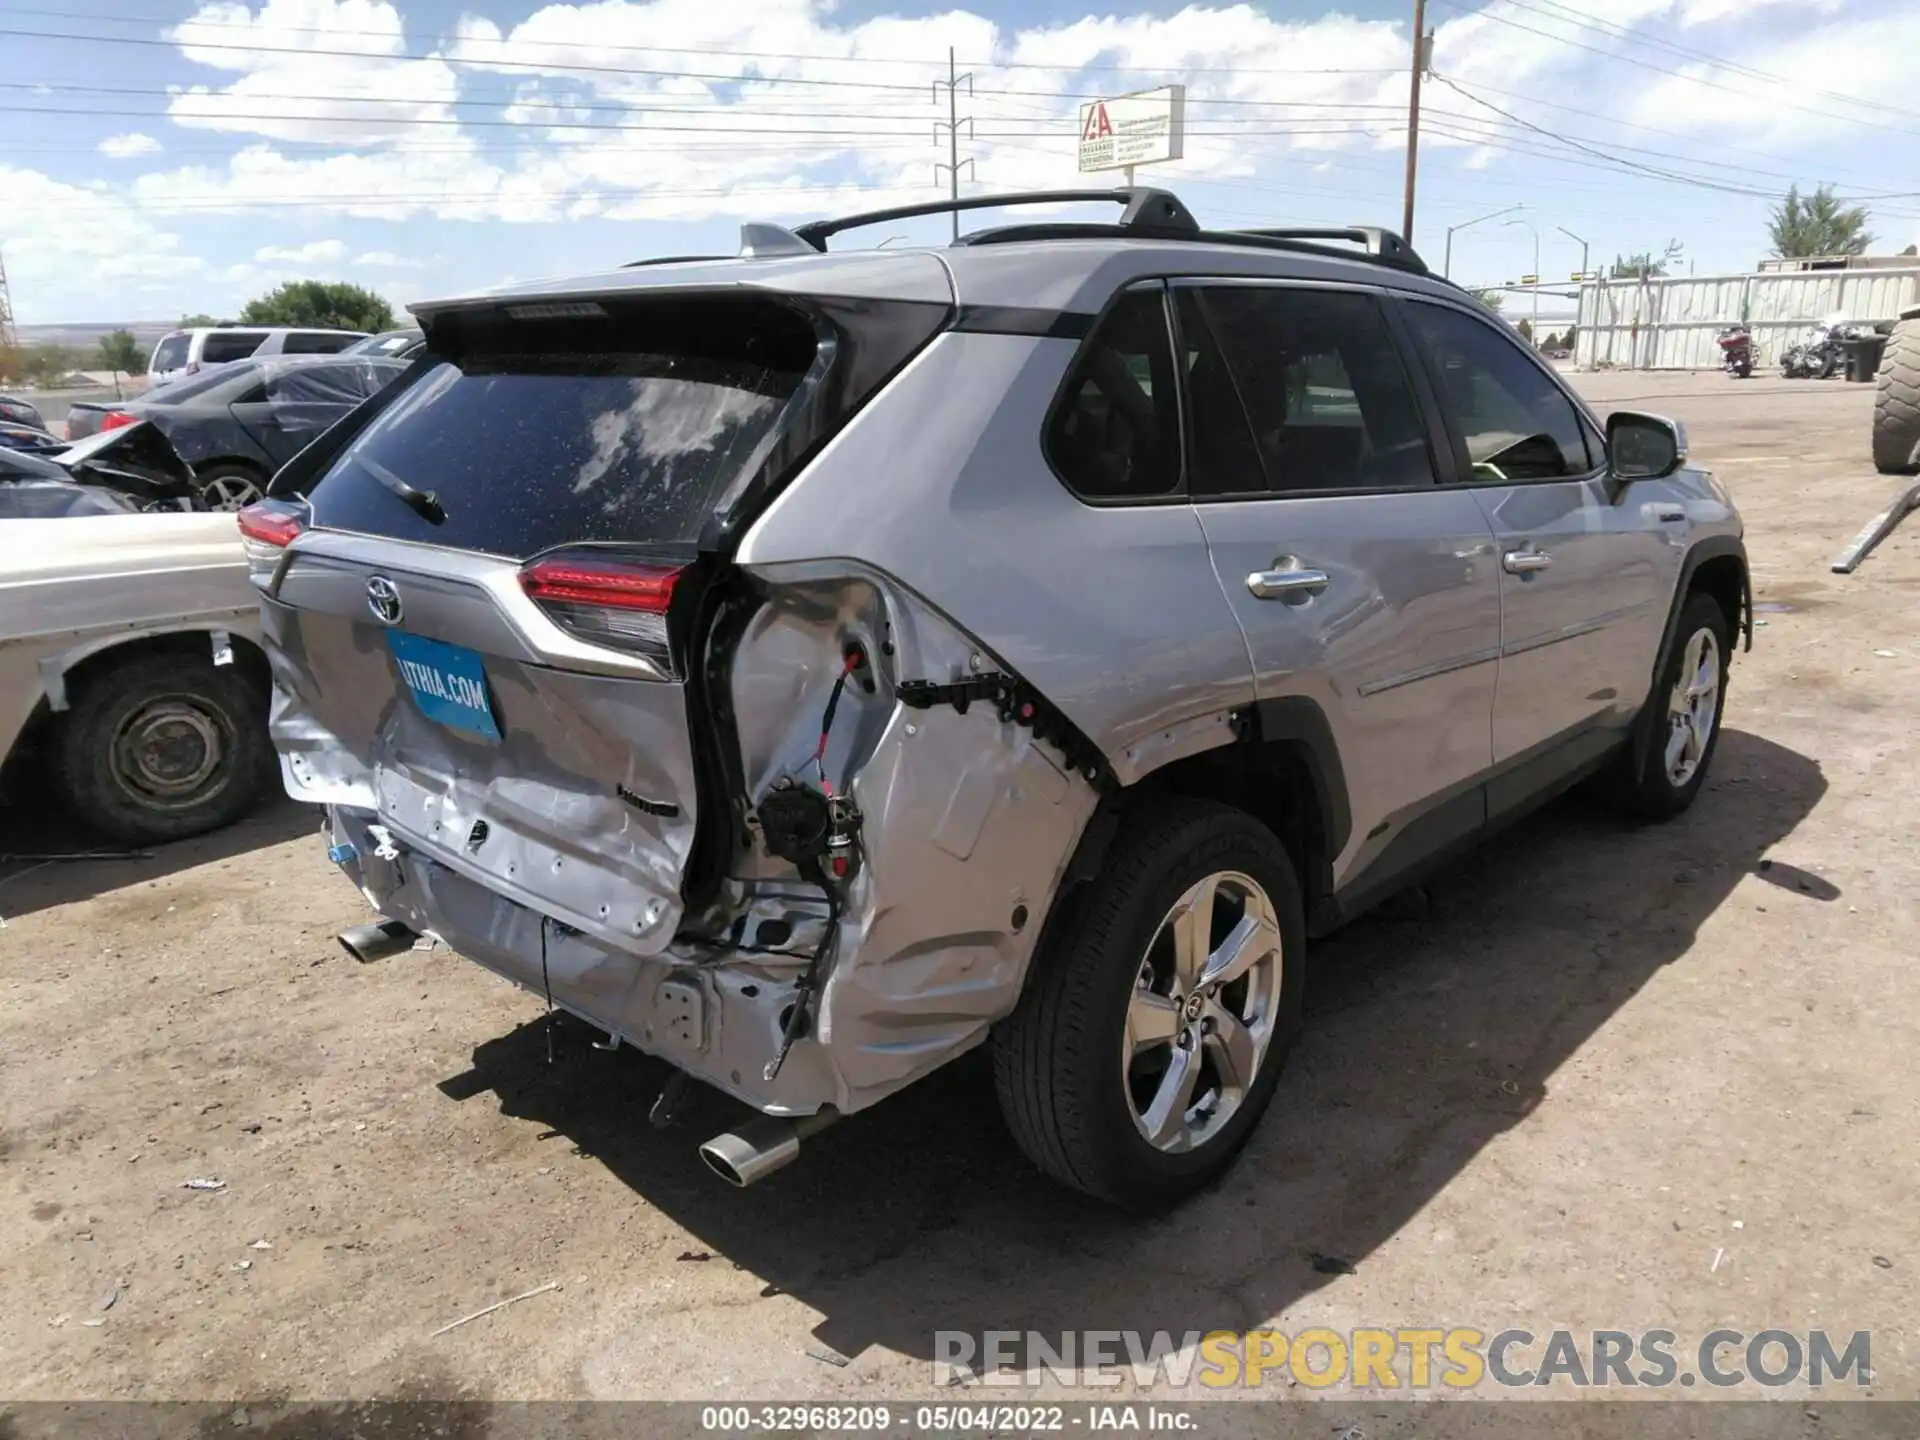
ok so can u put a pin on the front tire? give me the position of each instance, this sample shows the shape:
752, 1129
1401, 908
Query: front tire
1161, 1013
163, 746
1689, 698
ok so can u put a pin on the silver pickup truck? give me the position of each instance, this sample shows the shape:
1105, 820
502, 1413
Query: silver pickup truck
130, 670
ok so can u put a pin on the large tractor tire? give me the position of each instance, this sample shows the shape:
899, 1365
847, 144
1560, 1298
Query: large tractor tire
1896, 408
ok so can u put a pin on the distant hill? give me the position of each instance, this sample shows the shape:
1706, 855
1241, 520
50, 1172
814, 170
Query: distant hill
85, 334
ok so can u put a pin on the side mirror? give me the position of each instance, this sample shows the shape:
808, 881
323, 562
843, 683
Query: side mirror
1644, 447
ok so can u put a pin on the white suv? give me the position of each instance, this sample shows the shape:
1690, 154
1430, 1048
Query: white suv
188, 352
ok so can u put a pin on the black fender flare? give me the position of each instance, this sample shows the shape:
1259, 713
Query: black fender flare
1714, 547
1295, 720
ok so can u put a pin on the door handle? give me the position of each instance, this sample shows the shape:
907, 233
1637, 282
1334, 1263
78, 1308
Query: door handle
1286, 582
1670, 514
1525, 562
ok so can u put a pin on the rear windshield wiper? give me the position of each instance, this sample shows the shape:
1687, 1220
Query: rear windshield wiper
423, 503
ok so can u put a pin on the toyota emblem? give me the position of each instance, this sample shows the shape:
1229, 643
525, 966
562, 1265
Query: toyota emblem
383, 599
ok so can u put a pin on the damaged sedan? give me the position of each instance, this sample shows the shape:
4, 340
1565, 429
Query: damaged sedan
810, 666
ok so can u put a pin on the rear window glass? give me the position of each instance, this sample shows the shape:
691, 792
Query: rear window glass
219, 348
188, 387
170, 353
601, 432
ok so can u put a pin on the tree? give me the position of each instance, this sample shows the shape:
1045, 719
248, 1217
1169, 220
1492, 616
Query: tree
198, 322
1568, 340
1525, 327
320, 304
1817, 225
1492, 299
1553, 341
120, 353
1637, 267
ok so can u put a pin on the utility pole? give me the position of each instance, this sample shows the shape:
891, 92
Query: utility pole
1422, 61
8, 340
952, 123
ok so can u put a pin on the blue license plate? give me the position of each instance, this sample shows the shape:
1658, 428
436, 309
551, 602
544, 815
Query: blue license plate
449, 682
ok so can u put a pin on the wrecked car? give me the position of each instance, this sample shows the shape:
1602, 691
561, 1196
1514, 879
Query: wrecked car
809, 666
130, 668
237, 423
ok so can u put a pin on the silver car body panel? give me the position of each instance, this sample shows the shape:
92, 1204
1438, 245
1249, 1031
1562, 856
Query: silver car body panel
1113, 612
930, 533
71, 589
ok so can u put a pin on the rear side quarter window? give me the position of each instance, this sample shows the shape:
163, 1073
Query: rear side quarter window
1114, 434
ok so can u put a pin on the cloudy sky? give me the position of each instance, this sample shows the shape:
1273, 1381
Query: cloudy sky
159, 157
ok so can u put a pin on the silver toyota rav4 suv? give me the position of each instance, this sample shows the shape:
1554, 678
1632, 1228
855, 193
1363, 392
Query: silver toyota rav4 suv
808, 666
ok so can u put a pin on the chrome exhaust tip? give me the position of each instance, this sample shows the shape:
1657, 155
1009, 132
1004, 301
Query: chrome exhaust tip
379, 941
761, 1146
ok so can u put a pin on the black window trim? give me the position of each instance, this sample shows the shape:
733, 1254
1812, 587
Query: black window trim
1415, 374
1462, 476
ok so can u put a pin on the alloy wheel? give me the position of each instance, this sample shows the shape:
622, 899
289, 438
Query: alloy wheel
1693, 707
1203, 1012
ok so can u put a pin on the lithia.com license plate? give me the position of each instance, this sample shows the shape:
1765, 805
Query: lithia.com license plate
448, 682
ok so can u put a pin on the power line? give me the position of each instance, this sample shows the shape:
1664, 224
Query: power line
716, 50
1552, 10
1488, 14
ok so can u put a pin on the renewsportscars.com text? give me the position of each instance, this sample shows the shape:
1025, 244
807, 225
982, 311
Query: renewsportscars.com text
1455, 1358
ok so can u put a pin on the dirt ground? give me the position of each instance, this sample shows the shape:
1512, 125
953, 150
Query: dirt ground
1596, 1077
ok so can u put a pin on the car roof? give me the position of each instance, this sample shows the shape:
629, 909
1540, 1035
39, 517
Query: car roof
1057, 267
260, 330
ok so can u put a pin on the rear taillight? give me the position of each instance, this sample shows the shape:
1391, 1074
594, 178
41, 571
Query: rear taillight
621, 603
117, 419
267, 527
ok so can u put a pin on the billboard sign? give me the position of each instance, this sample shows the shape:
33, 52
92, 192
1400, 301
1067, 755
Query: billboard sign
1128, 130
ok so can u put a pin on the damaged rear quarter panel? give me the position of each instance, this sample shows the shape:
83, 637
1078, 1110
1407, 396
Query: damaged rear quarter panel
967, 820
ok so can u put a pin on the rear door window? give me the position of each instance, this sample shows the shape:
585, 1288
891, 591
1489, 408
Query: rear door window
535, 435
1320, 376
223, 346
170, 353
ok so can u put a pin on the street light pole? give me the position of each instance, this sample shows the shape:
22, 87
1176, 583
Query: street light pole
1533, 337
1583, 248
1446, 265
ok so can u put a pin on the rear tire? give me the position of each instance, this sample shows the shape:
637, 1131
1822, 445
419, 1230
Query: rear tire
163, 746
1125, 1071
1896, 406
229, 487
1684, 728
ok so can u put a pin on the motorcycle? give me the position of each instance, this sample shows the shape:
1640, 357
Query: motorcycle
1736, 351
1822, 356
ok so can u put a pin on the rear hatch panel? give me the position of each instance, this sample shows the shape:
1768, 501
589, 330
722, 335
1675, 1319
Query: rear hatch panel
632, 433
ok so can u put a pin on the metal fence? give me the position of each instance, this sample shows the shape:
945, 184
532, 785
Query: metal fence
1671, 323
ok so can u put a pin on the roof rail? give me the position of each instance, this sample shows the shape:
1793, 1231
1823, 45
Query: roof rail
672, 260
1147, 210
1382, 245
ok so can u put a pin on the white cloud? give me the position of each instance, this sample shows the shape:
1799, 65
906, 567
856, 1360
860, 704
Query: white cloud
321, 71
317, 252
78, 252
125, 147
386, 259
